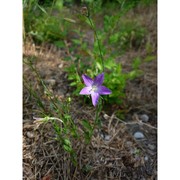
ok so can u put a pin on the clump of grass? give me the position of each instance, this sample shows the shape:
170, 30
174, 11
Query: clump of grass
57, 112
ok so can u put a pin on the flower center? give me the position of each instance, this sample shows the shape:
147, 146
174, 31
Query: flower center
94, 88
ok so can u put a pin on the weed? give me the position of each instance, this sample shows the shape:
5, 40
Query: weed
115, 78
57, 110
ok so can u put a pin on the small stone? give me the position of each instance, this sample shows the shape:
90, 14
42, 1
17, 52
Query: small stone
106, 116
144, 117
60, 65
129, 143
30, 135
151, 146
51, 82
138, 135
102, 135
107, 137
146, 158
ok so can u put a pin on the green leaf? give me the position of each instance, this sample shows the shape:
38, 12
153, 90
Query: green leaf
87, 125
67, 142
99, 66
73, 84
70, 20
136, 63
67, 148
42, 9
149, 58
67, 116
77, 41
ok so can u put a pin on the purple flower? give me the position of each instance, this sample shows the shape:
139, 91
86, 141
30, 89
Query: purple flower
94, 87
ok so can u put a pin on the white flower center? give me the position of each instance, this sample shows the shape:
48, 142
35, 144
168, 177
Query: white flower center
94, 88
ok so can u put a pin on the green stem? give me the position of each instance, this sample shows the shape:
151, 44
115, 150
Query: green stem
49, 94
98, 110
96, 36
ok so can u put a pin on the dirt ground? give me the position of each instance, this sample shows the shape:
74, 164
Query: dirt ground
114, 152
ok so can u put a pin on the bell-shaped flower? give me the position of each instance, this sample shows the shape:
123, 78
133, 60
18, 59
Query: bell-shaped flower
94, 87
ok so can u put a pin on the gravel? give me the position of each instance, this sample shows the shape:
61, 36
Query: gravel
144, 117
138, 135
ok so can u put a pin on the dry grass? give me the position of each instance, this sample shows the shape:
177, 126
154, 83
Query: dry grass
120, 156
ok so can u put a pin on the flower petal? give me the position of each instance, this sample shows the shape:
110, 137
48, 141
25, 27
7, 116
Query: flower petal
104, 90
95, 96
99, 79
87, 80
86, 91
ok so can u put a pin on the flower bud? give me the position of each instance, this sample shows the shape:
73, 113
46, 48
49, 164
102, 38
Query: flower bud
85, 11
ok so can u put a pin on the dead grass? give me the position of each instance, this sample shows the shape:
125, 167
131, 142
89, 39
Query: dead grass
119, 157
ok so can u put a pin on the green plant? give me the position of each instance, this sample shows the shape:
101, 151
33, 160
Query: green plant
135, 72
44, 23
115, 78
57, 112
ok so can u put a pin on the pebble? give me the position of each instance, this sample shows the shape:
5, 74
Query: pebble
151, 146
138, 135
106, 116
60, 65
107, 137
51, 82
129, 143
144, 117
146, 158
30, 134
102, 135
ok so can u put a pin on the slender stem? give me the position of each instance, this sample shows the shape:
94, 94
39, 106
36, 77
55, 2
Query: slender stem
96, 36
52, 7
49, 94
98, 110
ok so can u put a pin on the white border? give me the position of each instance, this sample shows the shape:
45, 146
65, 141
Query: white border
168, 89
11, 90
